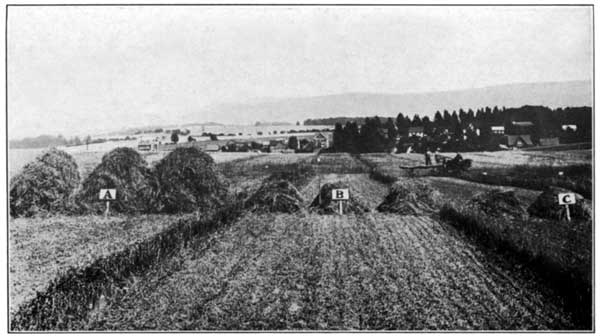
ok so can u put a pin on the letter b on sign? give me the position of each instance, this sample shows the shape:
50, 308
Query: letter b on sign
340, 194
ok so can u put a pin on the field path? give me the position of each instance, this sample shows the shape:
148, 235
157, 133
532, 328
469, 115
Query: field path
329, 272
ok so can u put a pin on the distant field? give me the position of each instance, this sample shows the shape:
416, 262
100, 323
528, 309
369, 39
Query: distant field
88, 160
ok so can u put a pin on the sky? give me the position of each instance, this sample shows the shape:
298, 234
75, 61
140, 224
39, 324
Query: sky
76, 70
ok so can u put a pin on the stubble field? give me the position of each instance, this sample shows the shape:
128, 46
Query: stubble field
331, 272
271, 271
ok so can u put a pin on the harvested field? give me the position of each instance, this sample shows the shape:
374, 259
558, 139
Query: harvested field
560, 252
307, 271
367, 272
338, 163
457, 191
263, 165
365, 190
531, 158
40, 250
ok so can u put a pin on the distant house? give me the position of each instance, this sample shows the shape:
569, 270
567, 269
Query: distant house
416, 131
321, 140
522, 123
278, 148
212, 148
571, 127
518, 141
147, 145
497, 129
238, 146
521, 127
549, 142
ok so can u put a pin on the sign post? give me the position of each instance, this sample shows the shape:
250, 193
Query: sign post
340, 195
319, 178
566, 199
108, 195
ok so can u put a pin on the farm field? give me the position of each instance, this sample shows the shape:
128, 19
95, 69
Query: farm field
42, 248
271, 271
532, 158
499, 159
330, 272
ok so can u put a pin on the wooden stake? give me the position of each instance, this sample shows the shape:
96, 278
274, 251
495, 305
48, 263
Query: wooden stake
568, 213
341, 210
107, 209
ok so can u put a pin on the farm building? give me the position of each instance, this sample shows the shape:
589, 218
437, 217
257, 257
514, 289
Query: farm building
147, 145
321, 140
549, 142
517, 141
278, 148
416, 131
521, 127
212, 148
498, 129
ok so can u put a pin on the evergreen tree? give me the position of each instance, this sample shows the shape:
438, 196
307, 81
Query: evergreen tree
416, 121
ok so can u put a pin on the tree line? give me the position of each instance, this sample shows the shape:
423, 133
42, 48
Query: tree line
463, 130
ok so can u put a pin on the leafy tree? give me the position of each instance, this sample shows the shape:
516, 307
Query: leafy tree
174, 137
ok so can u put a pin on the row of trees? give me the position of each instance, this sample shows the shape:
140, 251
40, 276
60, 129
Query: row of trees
463, 130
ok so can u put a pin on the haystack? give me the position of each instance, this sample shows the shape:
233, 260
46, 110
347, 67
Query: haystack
326, 205
275, 196
546, 206
499, 203
44, 185
187, 181
410, 197
125, 170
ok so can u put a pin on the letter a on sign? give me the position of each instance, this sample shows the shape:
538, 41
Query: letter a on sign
108, 194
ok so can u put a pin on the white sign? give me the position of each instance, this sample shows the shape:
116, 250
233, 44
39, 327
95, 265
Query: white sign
108, 194
566, 198
340, 194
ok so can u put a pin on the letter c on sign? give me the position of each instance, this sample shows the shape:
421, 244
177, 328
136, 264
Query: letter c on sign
567, 199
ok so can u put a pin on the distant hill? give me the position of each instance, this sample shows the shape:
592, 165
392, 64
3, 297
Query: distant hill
551, 94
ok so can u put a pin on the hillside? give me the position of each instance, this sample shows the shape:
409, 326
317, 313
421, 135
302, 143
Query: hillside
551, 94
